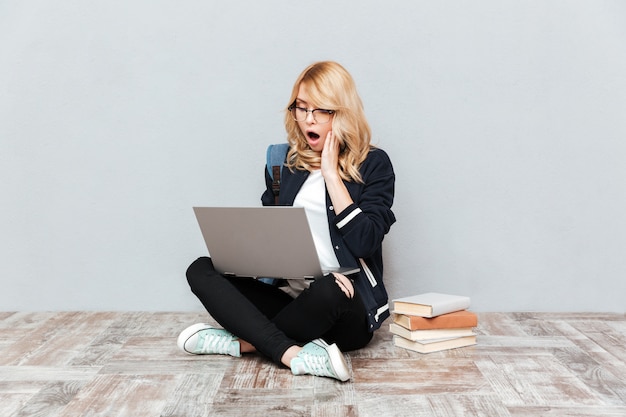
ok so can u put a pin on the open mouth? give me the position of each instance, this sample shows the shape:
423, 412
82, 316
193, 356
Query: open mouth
313, 135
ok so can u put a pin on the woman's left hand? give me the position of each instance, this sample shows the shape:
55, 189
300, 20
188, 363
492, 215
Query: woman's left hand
345, 284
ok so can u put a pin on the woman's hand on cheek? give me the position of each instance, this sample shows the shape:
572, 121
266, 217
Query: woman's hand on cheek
330, 156
339, 195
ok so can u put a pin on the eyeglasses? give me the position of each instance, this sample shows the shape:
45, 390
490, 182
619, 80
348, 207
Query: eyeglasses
300, 114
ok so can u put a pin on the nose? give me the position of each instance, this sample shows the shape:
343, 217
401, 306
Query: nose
310, 119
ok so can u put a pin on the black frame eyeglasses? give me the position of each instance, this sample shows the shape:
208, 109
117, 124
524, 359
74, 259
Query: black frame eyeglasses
300, 114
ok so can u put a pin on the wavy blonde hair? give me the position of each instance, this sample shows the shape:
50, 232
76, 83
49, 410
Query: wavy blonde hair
331, 87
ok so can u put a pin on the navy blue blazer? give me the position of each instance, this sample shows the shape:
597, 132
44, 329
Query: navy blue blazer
358, 231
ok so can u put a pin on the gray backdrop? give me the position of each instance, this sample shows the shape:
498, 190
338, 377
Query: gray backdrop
505, 121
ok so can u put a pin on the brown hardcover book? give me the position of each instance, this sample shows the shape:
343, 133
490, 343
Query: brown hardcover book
434, 346
458, 319
423, 335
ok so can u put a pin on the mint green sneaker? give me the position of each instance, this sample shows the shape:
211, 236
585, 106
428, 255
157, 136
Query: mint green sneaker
203, 339
321, 359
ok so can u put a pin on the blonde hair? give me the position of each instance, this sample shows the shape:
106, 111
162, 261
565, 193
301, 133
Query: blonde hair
331, 87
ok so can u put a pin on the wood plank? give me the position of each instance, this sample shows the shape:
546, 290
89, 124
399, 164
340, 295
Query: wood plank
426, 374
12, 374
535, 380
11, 403
122, 395
50, 400
56, 339
193, 396
389, 404
467, 405
576, 411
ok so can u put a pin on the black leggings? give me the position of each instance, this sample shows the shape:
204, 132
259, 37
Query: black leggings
273, 321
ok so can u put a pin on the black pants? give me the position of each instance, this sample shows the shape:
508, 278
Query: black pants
271, 320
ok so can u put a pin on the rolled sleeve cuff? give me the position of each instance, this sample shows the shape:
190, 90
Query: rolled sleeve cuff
347, 215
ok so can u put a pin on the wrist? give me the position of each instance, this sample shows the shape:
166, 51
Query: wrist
331, 175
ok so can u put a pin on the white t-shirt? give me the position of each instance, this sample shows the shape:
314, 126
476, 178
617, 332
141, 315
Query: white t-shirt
312, 196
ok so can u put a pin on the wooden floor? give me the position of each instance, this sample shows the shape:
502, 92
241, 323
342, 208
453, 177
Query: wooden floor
127, 364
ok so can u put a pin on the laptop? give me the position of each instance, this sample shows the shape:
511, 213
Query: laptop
264, 242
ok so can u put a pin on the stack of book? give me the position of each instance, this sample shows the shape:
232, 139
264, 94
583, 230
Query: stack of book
432, 322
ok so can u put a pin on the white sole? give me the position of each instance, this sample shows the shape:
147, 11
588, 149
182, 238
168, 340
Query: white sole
190, 331
337, 360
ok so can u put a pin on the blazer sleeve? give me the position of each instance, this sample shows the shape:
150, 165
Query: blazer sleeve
364, 223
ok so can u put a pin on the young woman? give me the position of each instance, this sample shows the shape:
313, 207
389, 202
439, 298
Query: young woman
346, 186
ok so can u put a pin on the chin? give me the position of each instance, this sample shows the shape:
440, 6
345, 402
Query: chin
316, 147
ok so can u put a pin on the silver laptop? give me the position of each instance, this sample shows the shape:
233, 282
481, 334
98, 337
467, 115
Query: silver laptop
272, 242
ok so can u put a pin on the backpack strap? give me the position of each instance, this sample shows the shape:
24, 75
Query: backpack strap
275, 156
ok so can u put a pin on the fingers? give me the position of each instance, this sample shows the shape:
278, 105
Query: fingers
345, 284
331, 144
328, 144
330, 154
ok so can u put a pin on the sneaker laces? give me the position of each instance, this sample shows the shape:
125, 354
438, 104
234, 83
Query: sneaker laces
211, 341
317, 363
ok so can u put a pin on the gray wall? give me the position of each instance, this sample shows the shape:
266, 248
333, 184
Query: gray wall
505, 122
